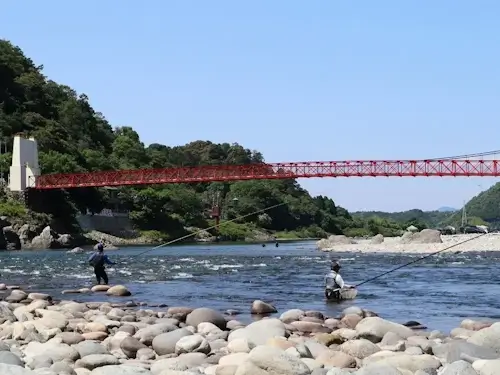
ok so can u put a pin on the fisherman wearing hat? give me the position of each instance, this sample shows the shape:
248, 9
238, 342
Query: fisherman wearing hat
334, 282
98, 260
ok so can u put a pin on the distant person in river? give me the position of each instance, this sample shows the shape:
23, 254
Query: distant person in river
334, 282
98, 260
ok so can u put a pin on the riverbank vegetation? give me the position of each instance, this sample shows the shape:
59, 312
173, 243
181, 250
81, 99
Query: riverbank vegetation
483, 209
74, 137
420, 219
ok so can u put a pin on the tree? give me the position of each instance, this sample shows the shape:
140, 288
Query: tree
417, 223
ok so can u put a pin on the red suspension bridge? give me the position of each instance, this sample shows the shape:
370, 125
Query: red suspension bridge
459, 166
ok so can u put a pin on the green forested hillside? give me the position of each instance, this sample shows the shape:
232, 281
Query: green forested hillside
75, 137
483, 209
419, 218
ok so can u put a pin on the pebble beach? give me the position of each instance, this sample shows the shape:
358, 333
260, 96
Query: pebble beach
43, 336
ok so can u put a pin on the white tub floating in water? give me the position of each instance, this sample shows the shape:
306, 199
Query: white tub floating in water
348, 293
343, 294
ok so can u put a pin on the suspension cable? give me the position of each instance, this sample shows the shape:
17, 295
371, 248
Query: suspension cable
419, 259
212, 227
468, 156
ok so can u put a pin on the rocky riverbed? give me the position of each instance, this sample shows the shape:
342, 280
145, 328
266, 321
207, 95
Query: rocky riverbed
46, 337
426, 241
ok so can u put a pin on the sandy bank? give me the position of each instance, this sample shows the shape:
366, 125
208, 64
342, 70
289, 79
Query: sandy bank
489, 242
40, 336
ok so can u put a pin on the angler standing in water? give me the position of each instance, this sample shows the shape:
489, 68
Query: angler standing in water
98, 260
334, 282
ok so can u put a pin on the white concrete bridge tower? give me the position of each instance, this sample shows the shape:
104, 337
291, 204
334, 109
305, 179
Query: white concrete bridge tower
24, 168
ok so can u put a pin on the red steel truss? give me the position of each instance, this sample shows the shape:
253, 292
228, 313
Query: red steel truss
374, 168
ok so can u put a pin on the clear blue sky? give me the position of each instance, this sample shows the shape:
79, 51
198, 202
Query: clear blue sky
296, 80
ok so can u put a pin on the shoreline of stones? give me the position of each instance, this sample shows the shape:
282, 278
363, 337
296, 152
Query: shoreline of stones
41, 336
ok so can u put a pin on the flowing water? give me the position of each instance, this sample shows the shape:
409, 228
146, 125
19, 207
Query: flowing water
438, 292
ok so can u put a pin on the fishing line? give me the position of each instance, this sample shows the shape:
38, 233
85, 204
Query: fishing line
419, 259
212, 227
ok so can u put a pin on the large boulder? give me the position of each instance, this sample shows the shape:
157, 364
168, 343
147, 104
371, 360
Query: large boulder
118, 291
458, 368
374, 329
165, 342
130, 346
51, 319
377, 239
359, 348
6, 369
260, 307
16, 295
406, 238
65, 240
71, 338
474, 325
205, 315
26, 234
179, 312
179, 364
192, 344
487, 367
427, 236
405, 361
147, 334
6, 314
333, 358
452, 351
86, 348
487, 337
12, 240
93, 361
309, 327
292, 315
47, 239
334, 240
265, 359
10, 359
257, 333
56, 352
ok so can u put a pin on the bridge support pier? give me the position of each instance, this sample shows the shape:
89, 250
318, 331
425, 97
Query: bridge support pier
24, 168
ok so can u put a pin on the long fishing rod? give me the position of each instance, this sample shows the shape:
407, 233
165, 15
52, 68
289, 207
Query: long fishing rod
212, 227
419, 259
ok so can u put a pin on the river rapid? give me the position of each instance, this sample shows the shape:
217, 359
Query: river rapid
438, 292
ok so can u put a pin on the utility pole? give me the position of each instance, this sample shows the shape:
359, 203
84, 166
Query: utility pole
216, 210
464, 216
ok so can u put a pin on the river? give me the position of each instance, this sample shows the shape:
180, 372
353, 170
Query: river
438, 292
